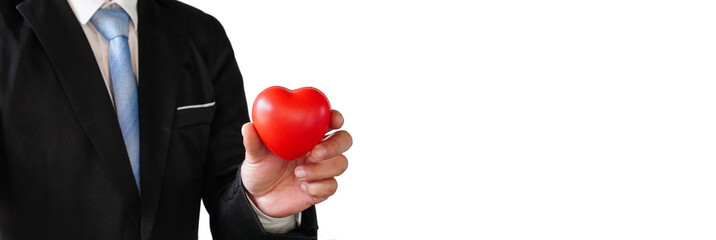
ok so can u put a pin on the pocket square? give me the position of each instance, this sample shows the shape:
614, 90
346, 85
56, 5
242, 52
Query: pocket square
205, 105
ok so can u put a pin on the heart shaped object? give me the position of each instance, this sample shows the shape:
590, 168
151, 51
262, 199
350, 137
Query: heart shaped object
291, 123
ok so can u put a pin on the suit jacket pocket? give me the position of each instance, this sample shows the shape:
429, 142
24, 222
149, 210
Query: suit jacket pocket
200, 114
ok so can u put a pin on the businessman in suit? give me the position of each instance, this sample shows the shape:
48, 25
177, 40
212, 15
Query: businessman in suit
118, 117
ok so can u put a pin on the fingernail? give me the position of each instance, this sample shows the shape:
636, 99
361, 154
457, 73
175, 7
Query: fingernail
321, 152
300, 173
303, 186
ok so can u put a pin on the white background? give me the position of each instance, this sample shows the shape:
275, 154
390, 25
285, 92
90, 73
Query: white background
502, 119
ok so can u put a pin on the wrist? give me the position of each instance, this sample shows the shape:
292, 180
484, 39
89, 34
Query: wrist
275, 225
267, 207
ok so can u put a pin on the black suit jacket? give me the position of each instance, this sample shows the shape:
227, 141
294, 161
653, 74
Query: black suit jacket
64, 170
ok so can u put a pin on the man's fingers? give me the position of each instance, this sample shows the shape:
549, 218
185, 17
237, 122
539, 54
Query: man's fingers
336, 119
252, 142
320, 189
322, 170
336, 144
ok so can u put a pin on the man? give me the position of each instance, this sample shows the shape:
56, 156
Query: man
118, 118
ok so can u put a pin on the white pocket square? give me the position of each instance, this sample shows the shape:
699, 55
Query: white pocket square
196, 106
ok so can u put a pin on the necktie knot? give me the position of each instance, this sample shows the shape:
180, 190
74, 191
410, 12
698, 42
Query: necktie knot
111, 23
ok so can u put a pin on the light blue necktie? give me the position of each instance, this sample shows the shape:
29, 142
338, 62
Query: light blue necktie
113, 24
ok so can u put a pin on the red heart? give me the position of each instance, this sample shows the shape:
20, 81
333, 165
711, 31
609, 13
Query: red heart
291, 123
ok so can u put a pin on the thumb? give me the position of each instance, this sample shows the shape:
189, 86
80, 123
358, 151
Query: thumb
255, 148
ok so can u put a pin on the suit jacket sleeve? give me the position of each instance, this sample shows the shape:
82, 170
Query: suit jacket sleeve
224, 195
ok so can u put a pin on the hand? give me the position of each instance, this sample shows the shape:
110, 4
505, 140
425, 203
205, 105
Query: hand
282, 188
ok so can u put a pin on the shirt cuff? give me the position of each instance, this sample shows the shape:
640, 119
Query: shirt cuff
276, 225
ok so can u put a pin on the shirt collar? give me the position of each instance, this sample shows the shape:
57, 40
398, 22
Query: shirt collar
85, 9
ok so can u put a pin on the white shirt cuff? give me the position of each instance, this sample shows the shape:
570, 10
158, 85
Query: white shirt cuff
276, 225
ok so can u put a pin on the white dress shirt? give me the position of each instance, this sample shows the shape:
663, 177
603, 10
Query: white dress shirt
84, 10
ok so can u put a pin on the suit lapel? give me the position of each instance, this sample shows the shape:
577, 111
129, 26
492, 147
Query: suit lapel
161, 52
62, 37
160, 56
